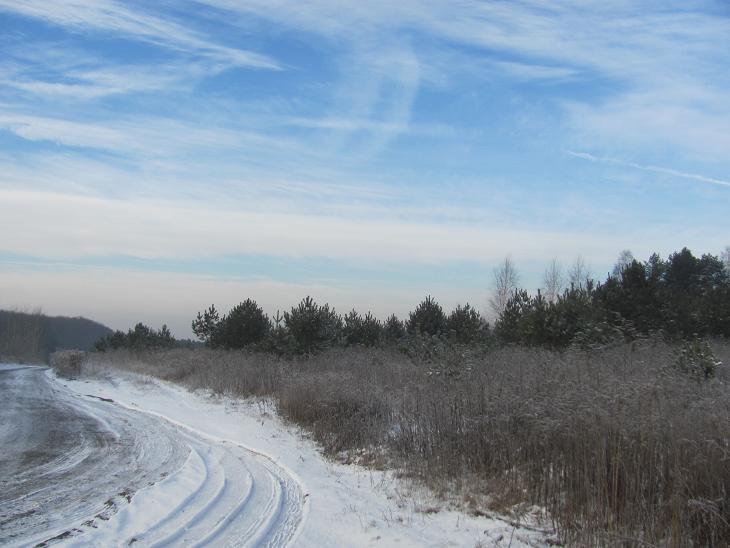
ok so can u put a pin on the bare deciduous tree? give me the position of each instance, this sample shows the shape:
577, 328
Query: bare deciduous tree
726, 258
579, 274
553, 281
505, 282
625, 258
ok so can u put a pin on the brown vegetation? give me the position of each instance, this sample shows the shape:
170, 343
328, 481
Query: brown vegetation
68, 363
619, 446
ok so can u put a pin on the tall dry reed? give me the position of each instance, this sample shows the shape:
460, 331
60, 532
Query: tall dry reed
616, 445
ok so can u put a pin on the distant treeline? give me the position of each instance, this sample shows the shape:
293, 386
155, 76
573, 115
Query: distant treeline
32, 336
309, 327
141, 337
682, 297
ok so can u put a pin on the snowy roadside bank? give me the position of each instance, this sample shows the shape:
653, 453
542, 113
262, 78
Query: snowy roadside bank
346, 505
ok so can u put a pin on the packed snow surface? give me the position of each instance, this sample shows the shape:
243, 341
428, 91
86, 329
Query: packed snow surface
128, 460
73, 463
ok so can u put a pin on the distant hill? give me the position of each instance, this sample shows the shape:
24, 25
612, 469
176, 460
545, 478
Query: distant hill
64, 333
33, 337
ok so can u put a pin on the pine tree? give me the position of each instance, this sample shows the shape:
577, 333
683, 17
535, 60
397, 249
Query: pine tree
393, 329
244, 325
428, 318
206, 324
464, 324
312, 327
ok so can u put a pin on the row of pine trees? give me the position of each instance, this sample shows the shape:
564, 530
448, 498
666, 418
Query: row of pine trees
310, 327
683, 297
140, 337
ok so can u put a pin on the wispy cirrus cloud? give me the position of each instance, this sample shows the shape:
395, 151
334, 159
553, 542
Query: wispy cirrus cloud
530, 71
663, 51
369, 125
89, 83
60, 71
150, 228
572, 33
147, 137
654, 169
689, 120
132, 20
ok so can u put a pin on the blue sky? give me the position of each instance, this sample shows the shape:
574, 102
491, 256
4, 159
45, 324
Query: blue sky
159, 156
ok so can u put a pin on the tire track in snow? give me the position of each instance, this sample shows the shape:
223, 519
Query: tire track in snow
65, 461
147, 481
242, 498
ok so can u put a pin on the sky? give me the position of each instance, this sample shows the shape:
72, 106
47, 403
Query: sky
157, 157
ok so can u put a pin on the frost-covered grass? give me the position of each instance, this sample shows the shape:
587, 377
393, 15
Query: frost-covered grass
616, 445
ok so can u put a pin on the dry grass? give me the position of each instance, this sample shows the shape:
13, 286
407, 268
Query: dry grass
68, 363
616, 445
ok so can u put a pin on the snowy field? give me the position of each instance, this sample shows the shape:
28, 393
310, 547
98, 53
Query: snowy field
175, 468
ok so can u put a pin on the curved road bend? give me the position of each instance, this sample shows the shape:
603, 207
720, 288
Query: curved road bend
70, 463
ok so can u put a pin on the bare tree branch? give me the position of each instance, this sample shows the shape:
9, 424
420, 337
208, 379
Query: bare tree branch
579, 274
553, 281
505, 282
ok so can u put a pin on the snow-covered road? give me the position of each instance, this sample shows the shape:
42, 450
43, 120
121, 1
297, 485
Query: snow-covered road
71, 465
119, 459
